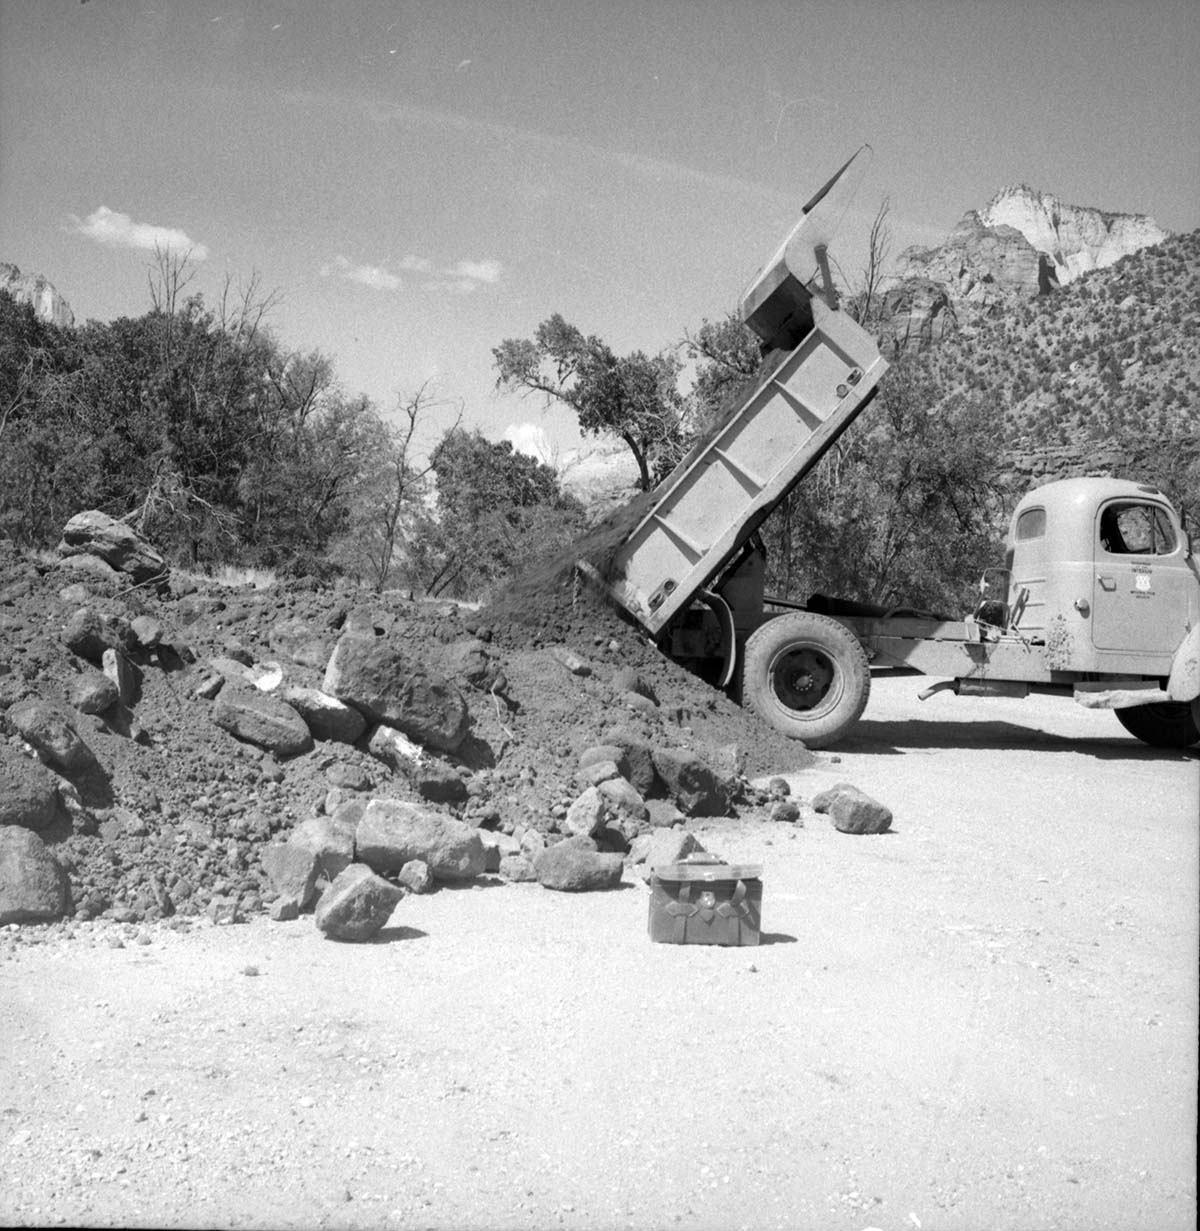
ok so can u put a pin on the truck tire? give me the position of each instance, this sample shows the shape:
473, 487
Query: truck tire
1166, 724
807, 676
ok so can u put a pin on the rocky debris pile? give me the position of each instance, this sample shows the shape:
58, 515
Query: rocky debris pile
178, 746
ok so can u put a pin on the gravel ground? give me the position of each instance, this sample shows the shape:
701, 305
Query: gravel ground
987, 1018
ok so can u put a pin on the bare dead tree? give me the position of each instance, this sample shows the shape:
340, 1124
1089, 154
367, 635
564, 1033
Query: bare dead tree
243, 307
865, 291
405, 478
168, 277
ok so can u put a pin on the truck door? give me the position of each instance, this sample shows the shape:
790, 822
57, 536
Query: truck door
1143, 584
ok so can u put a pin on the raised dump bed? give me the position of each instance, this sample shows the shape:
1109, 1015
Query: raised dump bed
700, 516
711, 504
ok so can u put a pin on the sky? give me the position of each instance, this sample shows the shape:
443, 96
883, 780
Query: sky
417, 180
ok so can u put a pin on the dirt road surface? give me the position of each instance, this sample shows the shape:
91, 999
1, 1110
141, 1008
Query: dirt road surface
985, 1019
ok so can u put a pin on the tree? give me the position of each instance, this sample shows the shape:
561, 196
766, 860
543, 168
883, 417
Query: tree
497, 510
194, 426
904, 510
35, 359
634, 397
392, 510
728, 357
865, 297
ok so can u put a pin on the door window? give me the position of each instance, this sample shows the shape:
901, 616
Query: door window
1136, 529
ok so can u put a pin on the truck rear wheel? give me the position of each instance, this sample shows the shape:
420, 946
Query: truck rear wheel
1166, 724
807, 676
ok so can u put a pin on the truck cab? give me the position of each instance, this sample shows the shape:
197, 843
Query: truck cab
1102, 575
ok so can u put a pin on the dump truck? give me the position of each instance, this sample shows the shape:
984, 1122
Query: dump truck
1098, 599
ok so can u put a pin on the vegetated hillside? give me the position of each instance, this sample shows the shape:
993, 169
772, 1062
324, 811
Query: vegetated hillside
1098, 377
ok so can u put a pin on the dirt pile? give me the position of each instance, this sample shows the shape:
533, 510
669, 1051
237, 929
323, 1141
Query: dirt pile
171, 811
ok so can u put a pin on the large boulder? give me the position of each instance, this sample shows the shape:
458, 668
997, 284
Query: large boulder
415, 876
317, 850
392, 832
93, 570
331, 840
292, 871
587, 815
89, 633
576, 866
635, 752
516, 868
93, 693
28, 792
326, 716
33, 886
262, 720
51, 731
378, 676
96, 534
623, 799
852, 810
691, 784
357, 905
605, 754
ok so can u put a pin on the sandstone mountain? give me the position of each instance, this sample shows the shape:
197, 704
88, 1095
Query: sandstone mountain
1022, 244
34, 289
1100, 377
1075, 238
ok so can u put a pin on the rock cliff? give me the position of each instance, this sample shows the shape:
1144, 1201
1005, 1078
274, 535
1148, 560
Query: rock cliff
34, 289
980, 263
1074, 238
1022, 244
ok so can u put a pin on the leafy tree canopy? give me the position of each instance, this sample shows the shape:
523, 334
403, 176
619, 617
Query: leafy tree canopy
496, 508
634, 397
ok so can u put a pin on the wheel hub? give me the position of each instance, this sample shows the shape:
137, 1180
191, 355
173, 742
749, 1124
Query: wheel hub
803, 679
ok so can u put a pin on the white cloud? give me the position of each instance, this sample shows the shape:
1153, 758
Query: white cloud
479, 271
532, 440
116, 230
461, 278
374, 276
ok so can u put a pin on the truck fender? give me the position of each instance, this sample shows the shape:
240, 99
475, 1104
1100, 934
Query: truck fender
1184, 682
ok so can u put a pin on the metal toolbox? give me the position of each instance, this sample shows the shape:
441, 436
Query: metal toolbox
703, 901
